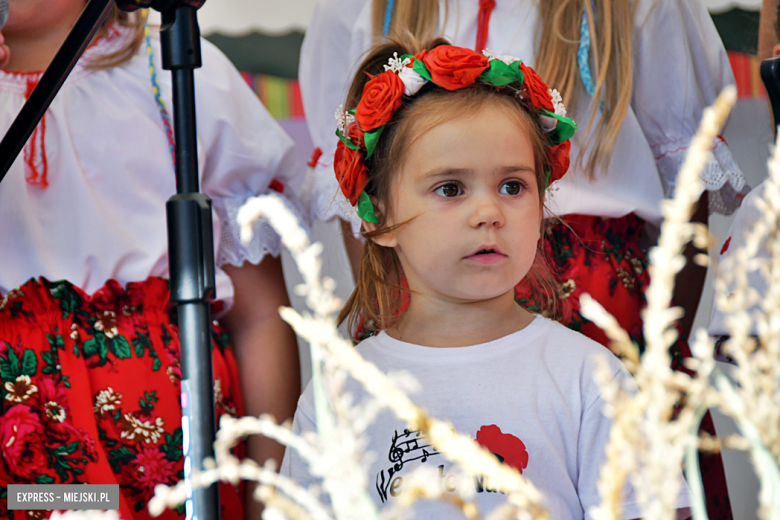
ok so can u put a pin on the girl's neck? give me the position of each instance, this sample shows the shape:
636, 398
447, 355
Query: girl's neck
34, 52
439, 323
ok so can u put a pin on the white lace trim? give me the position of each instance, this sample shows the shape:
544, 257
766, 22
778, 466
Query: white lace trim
327, 201
264, 241
722, 176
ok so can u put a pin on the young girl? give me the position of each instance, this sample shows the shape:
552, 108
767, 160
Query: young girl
635, 75
447, 154
89, 349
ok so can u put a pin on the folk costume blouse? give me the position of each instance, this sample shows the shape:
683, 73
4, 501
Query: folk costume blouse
680, 66
85, 200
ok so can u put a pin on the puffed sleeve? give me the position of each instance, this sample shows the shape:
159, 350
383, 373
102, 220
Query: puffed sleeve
680, 68
329, 55
244, 153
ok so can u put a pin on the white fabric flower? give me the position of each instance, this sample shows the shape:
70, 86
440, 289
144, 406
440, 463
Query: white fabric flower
412, 81
548, 123
494, 56
557, 100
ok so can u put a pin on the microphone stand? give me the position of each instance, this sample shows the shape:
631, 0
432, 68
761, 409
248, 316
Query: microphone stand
770, 75
190, 231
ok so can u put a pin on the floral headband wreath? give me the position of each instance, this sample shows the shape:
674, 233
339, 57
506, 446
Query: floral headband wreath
451, 68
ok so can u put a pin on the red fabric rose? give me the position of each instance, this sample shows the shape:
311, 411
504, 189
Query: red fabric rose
356, 135
20, 436
508, 448
453, 68
381, 98
559, 160
536, 90
351, 173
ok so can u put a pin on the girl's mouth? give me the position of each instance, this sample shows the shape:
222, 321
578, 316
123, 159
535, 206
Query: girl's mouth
487, 256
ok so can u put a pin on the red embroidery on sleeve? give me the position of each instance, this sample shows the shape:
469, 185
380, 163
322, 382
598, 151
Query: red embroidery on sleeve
726, 245
315, 157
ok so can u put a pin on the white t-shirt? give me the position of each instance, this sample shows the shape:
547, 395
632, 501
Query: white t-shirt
680, 66
110, 171
744, 221
532, 391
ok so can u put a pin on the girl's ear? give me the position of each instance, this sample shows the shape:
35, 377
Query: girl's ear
386, 239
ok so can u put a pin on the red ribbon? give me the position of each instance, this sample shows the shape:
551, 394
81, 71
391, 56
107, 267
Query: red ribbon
483, 23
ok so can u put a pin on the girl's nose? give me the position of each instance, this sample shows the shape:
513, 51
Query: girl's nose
487, 213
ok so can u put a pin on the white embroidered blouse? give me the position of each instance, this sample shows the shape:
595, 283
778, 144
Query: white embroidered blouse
680, 67
105, 152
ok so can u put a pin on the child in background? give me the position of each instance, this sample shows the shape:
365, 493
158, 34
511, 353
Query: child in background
749, 213
89, 349
447, 154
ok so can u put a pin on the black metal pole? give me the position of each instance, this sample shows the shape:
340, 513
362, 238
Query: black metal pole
770, 75
41, 97
191, 257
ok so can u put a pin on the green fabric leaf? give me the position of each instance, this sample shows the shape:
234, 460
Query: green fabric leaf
547, 175
366, 209
419, 67
564, 130
500, 74
371, 138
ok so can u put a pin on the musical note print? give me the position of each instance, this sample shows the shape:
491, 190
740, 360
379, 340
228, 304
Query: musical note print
409, 446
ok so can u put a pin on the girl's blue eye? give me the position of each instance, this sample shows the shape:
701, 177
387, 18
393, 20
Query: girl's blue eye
449, 190
511, 188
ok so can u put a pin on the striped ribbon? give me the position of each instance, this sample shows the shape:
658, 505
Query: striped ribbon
166, 119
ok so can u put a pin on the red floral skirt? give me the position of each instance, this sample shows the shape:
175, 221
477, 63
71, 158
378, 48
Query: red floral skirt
90, 392
601, 257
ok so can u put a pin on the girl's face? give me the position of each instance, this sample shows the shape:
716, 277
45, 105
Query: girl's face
38, 16
468, 189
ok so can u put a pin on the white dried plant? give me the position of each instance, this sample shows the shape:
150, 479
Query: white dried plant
656, 424
340, 423
753, 398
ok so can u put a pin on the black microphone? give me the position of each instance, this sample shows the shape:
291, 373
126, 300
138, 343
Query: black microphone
3, 13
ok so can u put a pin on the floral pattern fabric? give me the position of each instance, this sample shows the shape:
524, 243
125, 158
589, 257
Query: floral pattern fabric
602, 257
90, 391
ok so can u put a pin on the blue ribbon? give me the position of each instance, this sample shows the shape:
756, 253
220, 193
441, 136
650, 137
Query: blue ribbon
388, 18
582, 56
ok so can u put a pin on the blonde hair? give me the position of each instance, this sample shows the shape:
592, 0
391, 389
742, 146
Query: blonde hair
376, 299
134, 21
611, 31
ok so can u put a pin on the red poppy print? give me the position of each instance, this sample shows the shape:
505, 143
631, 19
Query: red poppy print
509, 449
